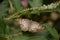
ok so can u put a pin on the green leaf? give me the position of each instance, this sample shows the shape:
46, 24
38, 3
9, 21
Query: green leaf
52, 31
40, 35
35, 3
38, 38
20, 37
58, 9
2, 27
3, 8
17, 4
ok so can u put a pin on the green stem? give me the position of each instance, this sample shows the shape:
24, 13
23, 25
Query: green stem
41, 8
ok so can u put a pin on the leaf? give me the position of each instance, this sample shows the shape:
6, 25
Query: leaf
2, 27
3, 12
35, 3
17, 4
4, 8
52, 31
38, 38
20, 37
58, 9
40, 35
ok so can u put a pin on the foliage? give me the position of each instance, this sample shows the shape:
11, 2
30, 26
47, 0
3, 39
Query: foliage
3, 8
52, 31
13, 32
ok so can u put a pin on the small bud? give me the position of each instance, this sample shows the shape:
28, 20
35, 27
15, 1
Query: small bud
44, 6
24, 3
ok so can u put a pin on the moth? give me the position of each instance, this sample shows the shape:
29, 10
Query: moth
29, 25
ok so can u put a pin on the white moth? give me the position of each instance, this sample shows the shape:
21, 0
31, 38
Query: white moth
28, 25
